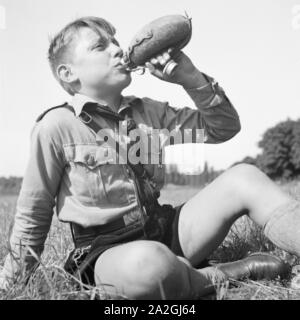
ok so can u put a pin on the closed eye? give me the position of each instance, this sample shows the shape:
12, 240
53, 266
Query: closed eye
101, 44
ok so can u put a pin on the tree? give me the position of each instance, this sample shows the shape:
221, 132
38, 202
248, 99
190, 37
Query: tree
280, 157
248, 160
296, 147
11, 185
207, 175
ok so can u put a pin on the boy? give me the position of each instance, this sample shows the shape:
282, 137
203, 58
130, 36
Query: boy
108, 204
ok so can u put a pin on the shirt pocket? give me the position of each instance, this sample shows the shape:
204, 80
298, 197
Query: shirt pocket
95, 178
84, 172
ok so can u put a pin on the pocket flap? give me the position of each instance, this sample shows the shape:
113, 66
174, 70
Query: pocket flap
90, 155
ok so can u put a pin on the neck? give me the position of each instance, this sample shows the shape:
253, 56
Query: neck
113, 101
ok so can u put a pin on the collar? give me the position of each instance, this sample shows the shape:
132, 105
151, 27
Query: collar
79, 100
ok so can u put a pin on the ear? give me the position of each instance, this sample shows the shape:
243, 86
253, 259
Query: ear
65, 73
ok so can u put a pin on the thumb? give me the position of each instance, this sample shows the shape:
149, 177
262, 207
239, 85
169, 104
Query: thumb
153, 70
150, 67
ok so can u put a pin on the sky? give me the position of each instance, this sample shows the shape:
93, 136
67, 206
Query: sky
252, 48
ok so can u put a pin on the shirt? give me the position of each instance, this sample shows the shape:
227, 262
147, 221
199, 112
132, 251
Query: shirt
70, 168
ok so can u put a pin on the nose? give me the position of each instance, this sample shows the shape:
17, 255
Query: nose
116, 50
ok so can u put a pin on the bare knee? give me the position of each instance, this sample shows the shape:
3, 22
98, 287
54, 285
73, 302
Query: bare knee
244, 185
246, 179
149, 260
142, 272
245, 172
255, 191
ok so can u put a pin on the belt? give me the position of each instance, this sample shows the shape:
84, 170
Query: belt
83, 235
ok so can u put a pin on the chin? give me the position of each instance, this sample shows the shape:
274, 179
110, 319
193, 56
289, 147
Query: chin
124, 84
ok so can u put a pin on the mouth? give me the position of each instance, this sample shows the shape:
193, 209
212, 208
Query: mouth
121, 66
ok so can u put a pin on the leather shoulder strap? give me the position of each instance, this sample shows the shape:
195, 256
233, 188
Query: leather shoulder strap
65, 105
87, 117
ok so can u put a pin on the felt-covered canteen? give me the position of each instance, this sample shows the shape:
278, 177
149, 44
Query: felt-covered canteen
171, 31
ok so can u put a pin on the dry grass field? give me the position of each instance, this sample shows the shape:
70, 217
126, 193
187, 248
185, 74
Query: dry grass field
51, 282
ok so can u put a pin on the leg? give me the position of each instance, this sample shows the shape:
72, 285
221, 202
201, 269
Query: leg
149, 270
206, 218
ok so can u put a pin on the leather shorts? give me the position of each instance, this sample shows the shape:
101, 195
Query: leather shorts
82, 259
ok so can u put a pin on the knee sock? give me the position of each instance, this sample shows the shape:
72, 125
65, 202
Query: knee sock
283, 227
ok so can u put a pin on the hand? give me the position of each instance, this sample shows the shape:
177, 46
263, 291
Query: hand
185, 74
4, 284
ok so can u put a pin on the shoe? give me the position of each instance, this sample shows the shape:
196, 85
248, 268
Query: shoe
257, 266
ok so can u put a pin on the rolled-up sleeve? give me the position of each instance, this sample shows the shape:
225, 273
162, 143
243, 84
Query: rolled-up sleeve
37, 198
215, 114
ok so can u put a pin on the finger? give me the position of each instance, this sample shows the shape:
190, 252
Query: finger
161, 59
176, 54
150, 67
154, 71
166, 56
154, 61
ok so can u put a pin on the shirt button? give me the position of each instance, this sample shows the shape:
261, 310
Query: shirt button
91, 160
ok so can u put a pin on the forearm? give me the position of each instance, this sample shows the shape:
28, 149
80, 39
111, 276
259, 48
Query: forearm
194, 80
219, 118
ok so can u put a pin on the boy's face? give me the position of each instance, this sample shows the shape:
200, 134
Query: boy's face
96, 62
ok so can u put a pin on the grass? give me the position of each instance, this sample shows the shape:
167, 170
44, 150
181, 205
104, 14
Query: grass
51, 282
